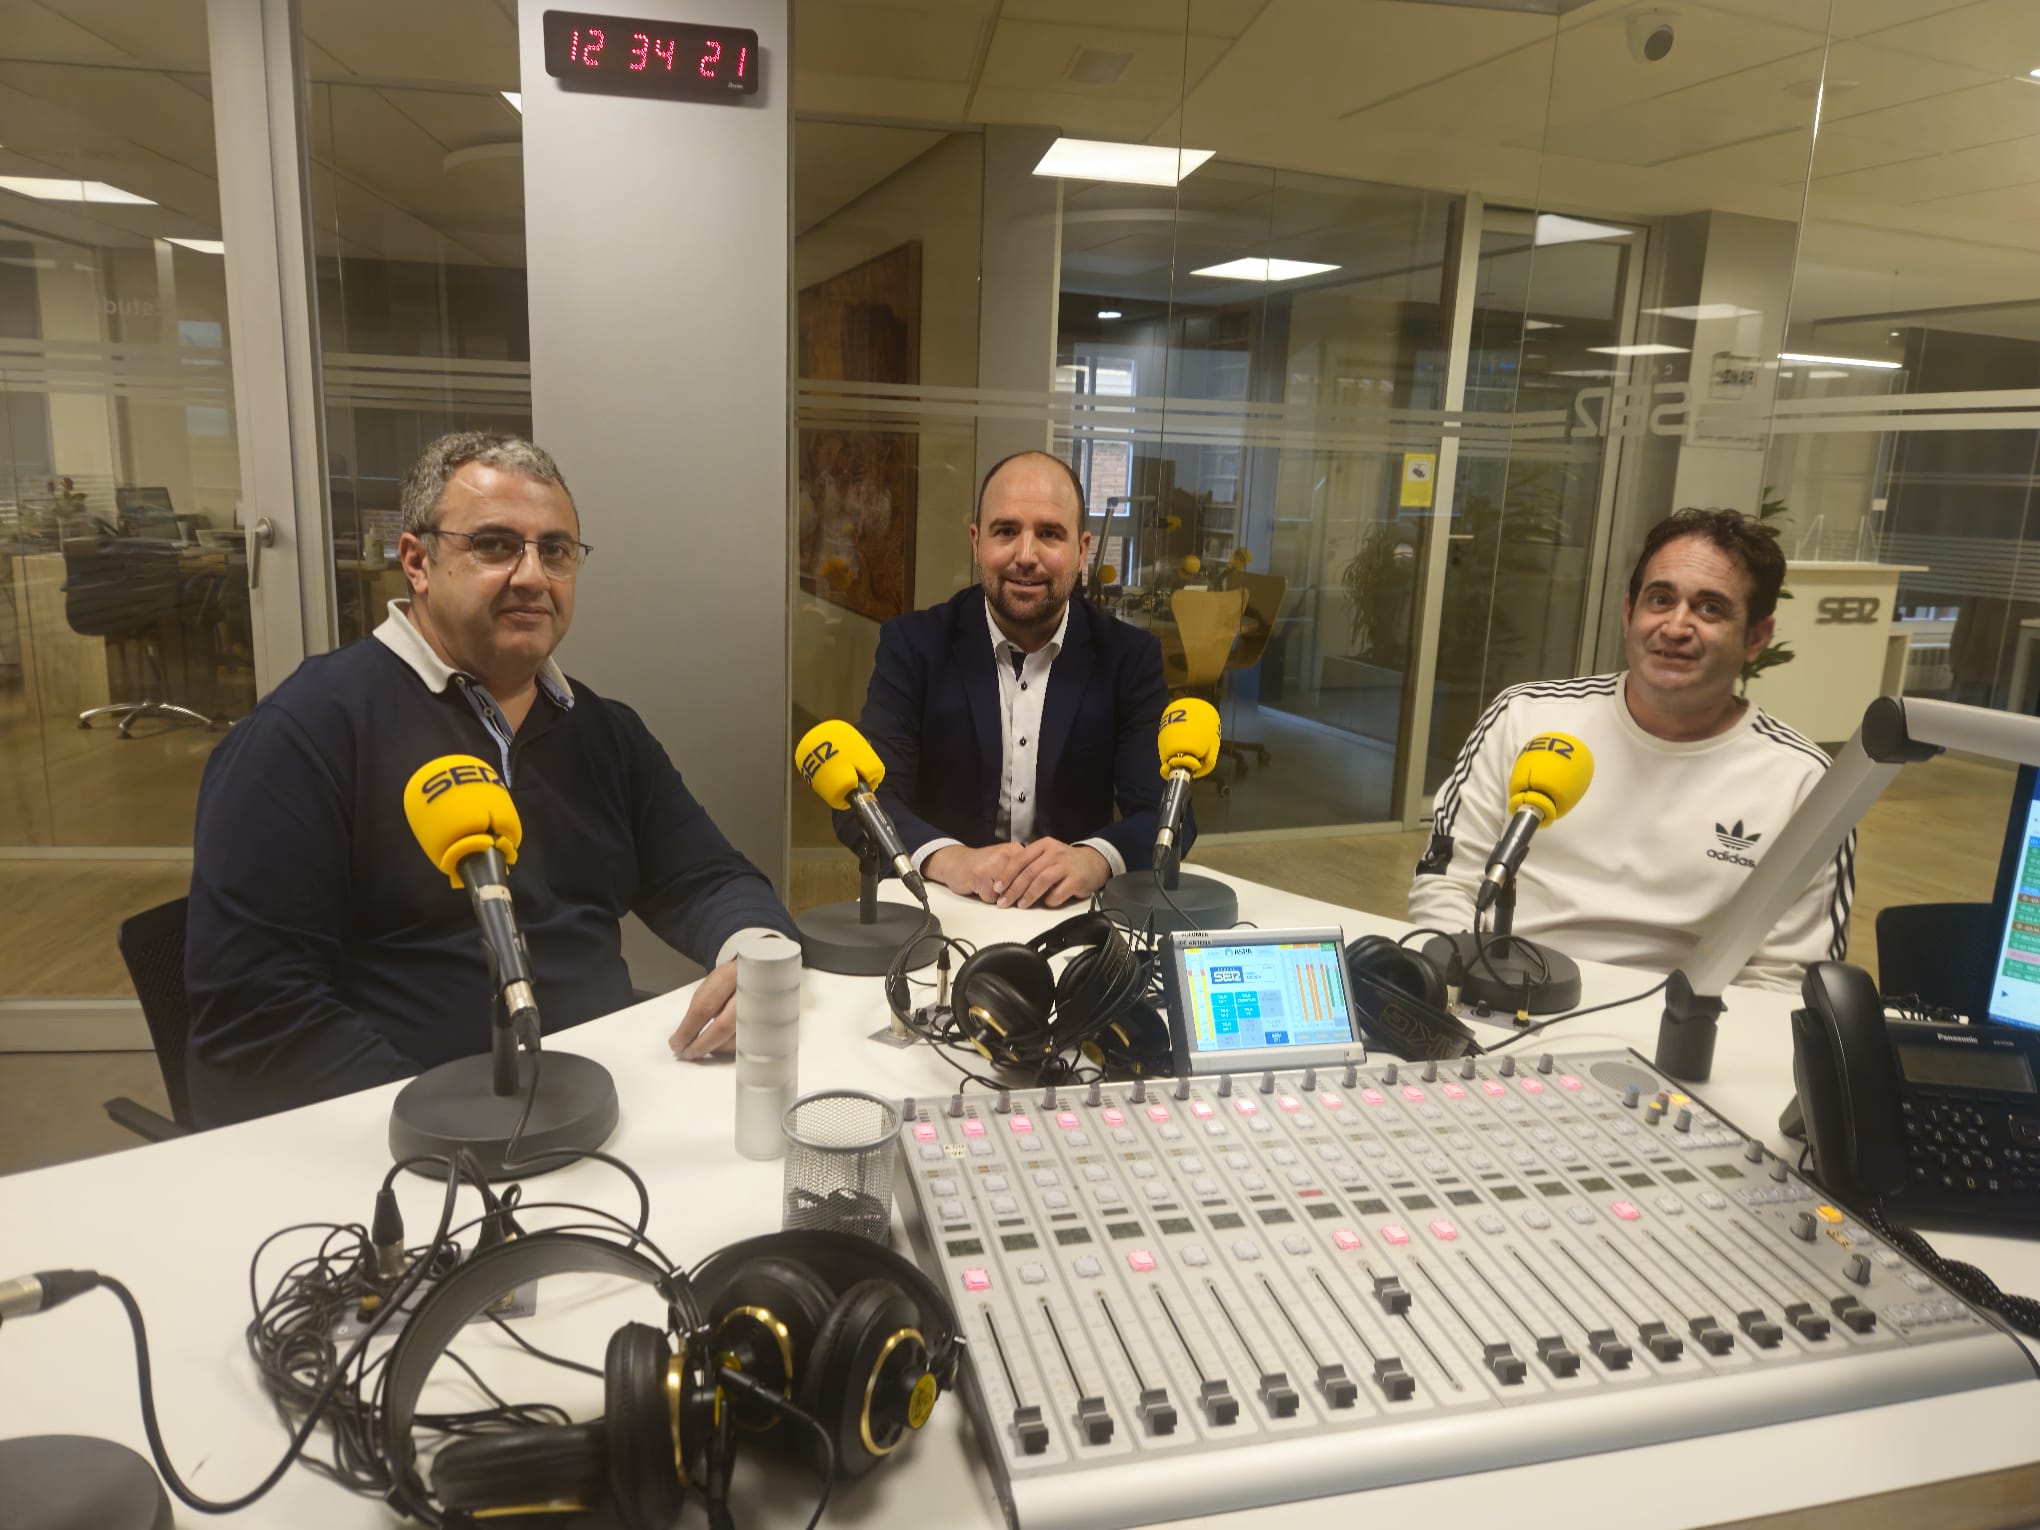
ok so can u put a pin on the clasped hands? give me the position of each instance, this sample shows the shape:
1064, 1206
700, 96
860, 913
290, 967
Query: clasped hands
1045, 872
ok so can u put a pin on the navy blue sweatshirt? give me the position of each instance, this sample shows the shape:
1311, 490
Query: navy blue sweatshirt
325, 954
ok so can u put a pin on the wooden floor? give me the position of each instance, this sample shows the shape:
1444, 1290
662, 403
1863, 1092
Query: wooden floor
1933, 837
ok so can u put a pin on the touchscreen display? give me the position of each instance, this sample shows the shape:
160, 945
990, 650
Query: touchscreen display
1260, 995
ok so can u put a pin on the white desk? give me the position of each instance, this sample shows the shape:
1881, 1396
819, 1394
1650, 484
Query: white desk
178, 1222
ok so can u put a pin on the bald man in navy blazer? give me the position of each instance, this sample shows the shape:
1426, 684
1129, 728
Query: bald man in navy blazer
1015, 717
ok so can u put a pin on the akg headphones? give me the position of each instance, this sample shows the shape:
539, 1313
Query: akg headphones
1009, 1004
845, 1330
1399, 995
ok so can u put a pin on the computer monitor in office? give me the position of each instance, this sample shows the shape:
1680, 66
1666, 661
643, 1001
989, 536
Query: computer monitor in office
2015, 973
149, 513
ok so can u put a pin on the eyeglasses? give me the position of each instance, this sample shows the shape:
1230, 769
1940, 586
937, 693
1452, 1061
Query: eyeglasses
560, 557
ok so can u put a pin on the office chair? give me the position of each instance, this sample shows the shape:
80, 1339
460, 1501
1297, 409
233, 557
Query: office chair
152, 945
1941, 951
124, 589
1265, 594
1207, 626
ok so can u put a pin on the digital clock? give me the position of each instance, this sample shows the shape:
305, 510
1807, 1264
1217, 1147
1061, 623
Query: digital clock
627, 56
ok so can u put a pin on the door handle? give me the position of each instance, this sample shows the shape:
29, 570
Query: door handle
260, 535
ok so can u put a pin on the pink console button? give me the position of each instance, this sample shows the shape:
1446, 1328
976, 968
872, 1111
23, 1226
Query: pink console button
1200, 1109
1345, 1237
1533, 1086
1373, 1097
1158, 1112
1454, 1092
924, 1131
1444, 1230
973, 1127
1626, 1210
1413, 1094
1490, 1086
1022, 1125
975, 1279
1289, 1102
1567, 1081
1331, 1101
1395, 1233
1140, 1259
1114, 1116
1067, 1120
1243, 1105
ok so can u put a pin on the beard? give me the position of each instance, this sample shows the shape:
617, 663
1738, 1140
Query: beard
1041, 612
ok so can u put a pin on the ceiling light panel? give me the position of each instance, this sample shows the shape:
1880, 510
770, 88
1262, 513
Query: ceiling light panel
1252, 268
50, 189
1136, 164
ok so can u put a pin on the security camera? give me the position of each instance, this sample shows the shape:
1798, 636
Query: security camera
1651, 35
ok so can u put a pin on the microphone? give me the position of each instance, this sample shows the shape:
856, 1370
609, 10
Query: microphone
1550, 776
1188, 745
468, 827
842, 767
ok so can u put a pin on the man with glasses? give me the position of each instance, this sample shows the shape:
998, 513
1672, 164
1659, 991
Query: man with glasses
325, 953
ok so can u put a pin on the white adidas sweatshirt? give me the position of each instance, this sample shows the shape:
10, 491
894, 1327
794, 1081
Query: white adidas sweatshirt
1661, 840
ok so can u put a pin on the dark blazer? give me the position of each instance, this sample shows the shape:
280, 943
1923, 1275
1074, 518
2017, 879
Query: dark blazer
932, 713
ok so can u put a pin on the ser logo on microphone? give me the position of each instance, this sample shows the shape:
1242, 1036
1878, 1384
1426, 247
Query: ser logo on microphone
1175, 715
436, 786
1562, 747
825, 750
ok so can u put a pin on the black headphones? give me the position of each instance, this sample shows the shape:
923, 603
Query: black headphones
1399, 995
842, 1329
1009, 1004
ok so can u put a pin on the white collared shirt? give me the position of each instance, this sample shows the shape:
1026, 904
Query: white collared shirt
1023, 691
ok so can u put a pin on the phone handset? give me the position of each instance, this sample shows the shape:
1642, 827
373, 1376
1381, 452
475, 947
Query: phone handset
1847, 1077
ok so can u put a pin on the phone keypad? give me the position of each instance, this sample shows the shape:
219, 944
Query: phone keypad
1955, 1149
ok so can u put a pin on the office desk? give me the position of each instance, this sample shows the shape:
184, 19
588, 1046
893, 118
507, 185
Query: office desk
179, 1221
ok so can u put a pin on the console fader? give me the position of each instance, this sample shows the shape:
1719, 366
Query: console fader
1220, 1292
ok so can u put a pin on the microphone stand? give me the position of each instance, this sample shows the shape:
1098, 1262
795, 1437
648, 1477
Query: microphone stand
861, 938
1505, 971
1164, 901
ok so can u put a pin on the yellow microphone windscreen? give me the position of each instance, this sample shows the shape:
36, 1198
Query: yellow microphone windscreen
1551, 775
833, 758
457, 806
1189, 737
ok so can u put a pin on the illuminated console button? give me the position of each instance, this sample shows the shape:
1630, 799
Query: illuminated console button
1158, 1112
1395, 1233
1567, 1081
1532, 1085
1022, 1125
1828, 1213
1412, 1093
1373, 1097
1443, 1230
924, 1131
1626, 1210
973, 1127
1244, 1105
1331, 1101
1289, 1102
975, 1279
1452, 1091
1140, 1260
1114, 1116
1491, 1088
1201, 1109
1346, 1238
1067, 1120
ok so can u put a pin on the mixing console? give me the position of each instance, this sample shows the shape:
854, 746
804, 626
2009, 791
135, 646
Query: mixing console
1220, 1292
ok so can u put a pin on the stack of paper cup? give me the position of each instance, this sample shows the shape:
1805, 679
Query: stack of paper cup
768, 1041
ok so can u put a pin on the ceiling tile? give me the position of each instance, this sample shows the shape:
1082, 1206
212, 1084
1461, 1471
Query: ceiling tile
1979, 114
464, 42
1998, 36
881, 96
897, 42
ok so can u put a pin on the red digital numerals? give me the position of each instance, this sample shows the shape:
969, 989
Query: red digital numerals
585, 48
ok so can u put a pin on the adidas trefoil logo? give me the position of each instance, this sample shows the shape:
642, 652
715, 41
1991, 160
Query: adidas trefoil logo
1736, 838
1734, 842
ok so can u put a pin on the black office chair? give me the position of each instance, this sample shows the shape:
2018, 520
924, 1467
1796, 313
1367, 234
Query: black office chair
152, 945
125, 589
1939, 951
